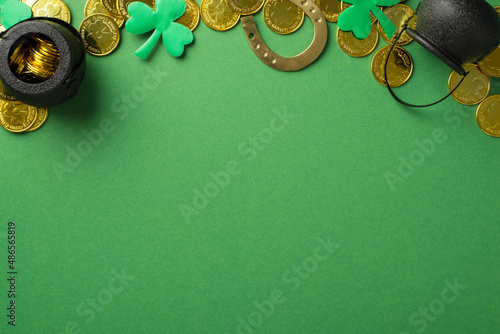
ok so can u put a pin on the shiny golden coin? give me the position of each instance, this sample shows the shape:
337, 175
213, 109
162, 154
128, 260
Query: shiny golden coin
474, 89
245, 7
357, 47
488, 116
5, 95
16, 117
491, 64
100, 34
399, 67
399, 15
111, 6
217, 15
331, 9
41, 117
29, 2
282, 16
96, 7
51, 8
191, 17
123, 6
497, 8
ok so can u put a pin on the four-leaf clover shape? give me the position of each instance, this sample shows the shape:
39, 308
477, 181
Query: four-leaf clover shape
143, 19
13, 12
357, 17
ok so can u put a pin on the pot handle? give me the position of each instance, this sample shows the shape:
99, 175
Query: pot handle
394, 94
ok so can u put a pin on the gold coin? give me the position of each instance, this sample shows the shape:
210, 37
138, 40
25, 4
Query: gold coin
111, 7
16, 117
488, 116
100, 34
123, 6
245, 7
474, 88
96, 7
217, 15
331, 9
399, 15
282, 16
497, 8
357, 47
191, 17
29, 2
41, 117
491, 64
5, 95
399, 67
51, 8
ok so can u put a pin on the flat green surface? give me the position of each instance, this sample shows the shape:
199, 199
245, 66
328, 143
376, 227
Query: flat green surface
247, 261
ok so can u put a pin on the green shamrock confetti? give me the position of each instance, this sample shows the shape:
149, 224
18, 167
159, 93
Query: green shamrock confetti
357, 17
143, 19
12, 12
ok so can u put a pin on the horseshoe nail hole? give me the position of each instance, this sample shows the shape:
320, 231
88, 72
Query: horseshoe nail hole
319, 19
257, 46
265, 54
303, 2
312, 10
273, 60
251, 35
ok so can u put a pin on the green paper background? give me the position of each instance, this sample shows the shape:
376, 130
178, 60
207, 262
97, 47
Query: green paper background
322, 176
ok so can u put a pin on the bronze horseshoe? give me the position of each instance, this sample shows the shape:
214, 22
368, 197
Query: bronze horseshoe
299, 61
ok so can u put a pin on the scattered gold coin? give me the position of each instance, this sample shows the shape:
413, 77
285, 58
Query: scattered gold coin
491, 65
96, 7
245, 7
16, 117
497, 8
399, 15
123, 6
100, 34
191, 17
111, 7
399, 67
331, 9
51, 8
488, 116
474, 88
5, 95
282, 16
217, 15
357, 47
41, 117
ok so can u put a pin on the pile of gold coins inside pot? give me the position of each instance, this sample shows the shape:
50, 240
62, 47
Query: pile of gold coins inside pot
34, 60
103, 19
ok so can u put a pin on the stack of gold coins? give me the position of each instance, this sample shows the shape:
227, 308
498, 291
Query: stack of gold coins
35, 59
